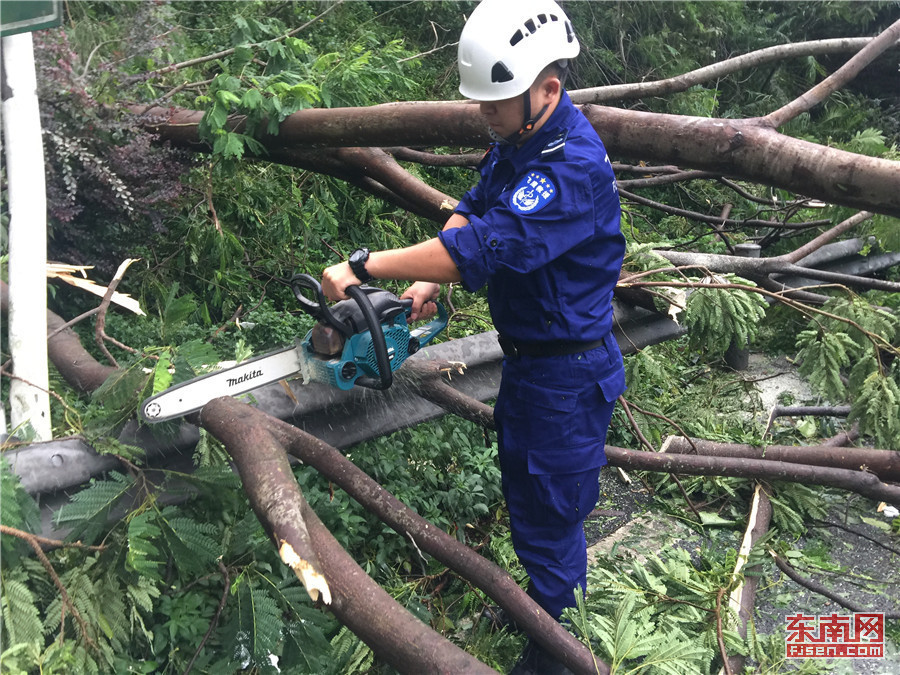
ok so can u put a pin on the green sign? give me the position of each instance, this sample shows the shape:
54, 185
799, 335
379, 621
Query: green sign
23, 16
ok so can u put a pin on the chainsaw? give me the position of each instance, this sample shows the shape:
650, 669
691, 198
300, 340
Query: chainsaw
355, 342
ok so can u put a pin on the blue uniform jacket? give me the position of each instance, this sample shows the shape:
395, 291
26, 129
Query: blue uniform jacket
544, 233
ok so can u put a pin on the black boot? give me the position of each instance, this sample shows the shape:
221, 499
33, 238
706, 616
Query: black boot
535, 660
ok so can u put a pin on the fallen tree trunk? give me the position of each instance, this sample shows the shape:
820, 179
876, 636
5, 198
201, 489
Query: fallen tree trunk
392, 632
227, 415
882, 463
747, 149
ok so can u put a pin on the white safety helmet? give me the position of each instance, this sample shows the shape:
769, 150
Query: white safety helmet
505, 45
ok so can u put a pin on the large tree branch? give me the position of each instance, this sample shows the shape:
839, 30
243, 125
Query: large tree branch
358, 602
752, 151
836, 80
747, 149
273, 492
883, 463
223, 415
81, 370
861, 482
672, 85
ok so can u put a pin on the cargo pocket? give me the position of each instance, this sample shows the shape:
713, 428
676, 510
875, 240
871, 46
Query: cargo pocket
613, 385
539, 416
565, 484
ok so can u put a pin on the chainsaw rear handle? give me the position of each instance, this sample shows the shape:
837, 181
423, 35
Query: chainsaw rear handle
378, 341
318, 310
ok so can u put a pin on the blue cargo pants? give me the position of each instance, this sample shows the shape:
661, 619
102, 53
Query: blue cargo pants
552, 414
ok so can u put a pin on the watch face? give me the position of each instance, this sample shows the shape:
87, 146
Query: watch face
359, 255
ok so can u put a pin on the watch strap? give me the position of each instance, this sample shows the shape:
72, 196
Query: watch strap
357, 262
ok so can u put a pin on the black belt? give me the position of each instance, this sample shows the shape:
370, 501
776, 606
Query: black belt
515, 348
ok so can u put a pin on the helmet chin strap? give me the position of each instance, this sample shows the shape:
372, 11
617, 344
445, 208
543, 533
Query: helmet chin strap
528, 123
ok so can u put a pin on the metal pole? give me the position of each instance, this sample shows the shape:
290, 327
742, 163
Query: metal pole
29, 397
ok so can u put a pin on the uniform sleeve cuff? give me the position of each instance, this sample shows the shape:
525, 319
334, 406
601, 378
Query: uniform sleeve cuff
467, 254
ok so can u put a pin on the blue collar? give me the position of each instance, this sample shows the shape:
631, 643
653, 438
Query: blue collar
558, 122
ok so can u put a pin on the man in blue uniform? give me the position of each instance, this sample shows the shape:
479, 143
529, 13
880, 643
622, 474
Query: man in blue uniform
541, 229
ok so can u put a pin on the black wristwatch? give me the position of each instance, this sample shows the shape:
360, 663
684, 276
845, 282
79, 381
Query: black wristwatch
357, 262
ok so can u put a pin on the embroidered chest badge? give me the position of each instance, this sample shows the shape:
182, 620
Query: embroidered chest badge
533, 193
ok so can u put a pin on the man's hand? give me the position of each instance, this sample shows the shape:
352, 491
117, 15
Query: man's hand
423, 294
335, 280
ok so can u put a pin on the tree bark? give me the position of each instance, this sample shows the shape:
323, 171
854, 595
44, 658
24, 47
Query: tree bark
747, 149
272, 489
883, 463
484, 574
861, 482
356, 600
743, 599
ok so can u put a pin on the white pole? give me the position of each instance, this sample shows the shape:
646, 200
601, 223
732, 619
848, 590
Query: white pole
29, 399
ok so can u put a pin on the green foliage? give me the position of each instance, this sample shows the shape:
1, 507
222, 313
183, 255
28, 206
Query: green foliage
795, 506
823, 355
877, 408
87, 511
17, 510
718, 317
22, 624
843, 354
218, 237
653, 616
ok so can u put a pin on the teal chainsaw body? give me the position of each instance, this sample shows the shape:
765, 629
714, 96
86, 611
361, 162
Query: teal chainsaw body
376, 338
356, 342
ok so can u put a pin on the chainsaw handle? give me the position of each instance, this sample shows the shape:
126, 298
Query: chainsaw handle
317, 310
425, 334
378, 341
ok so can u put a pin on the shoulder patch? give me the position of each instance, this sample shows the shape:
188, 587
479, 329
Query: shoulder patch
533, 193
557, 143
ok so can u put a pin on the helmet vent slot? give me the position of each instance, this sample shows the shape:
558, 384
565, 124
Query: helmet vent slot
516, 38
500, 73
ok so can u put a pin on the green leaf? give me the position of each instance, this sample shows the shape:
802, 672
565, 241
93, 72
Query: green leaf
711, 518
162, 378
875, 522
21, 618
251, 100
88, 509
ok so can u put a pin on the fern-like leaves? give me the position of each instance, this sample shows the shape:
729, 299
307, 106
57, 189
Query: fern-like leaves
87, 511
143, 555
877, 408
21, 619
822, 356
18, 510
718, 317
